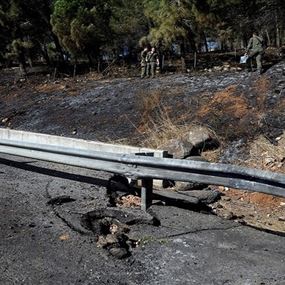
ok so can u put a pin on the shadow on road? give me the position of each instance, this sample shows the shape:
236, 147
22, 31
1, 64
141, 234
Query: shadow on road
55, 173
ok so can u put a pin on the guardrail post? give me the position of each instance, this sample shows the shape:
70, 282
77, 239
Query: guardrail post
146, 193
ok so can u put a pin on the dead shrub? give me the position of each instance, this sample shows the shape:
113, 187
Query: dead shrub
157, 125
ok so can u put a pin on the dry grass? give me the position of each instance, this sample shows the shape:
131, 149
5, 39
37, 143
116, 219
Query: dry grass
225, 102
157, 125
264, 155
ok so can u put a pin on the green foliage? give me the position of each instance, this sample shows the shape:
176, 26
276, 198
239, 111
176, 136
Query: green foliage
24, 29
128, 23
82, 26
169, 21
30, 29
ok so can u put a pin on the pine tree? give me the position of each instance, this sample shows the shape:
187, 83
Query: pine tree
82, 26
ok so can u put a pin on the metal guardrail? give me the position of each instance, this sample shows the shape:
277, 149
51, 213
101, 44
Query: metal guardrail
149, 168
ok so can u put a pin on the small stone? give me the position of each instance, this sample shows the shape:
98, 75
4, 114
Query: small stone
269, 160
111, 239
282, 219
282, 204
74, 132
5, 120
101, 242
230, 216
114, 228
118, 252
64, 237
227, 199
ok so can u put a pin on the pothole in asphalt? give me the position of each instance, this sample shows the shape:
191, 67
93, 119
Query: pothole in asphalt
111, 227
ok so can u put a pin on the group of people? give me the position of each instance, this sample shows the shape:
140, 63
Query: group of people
149, 62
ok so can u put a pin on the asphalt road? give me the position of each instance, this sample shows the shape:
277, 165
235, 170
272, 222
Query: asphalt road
43, 244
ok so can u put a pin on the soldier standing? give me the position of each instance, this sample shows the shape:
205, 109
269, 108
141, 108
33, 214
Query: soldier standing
255, 49
144, 63
152, 62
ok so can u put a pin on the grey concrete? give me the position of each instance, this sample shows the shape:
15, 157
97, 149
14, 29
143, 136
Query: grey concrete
40, 243
67, 142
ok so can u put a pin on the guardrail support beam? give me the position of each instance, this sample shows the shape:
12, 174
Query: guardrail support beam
146, 193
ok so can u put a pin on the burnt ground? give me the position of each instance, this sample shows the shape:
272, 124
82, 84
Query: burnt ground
43, 243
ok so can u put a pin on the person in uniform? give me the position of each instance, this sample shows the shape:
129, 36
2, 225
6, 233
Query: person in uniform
255, 48
143, 62
152, 62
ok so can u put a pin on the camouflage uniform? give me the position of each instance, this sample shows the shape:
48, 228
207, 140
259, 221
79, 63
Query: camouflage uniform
255, 49
143, 63
152, 61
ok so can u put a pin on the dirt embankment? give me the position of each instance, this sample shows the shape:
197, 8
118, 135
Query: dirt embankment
245, 110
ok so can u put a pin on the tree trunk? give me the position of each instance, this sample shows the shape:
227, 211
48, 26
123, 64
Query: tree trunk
45, 54
278, 41
90, 60
195, 60
74, 69
205, 42
22, 63
268, 38
58, 47
98, 64
183, 65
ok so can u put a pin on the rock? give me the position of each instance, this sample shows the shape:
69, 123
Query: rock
207, 196
188, 186
229, 216
269, 160
60, 200
227, 199
282, 219
119, 252
175, 198
217, 68
179, 148
5, 120
202, 138
111, 239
